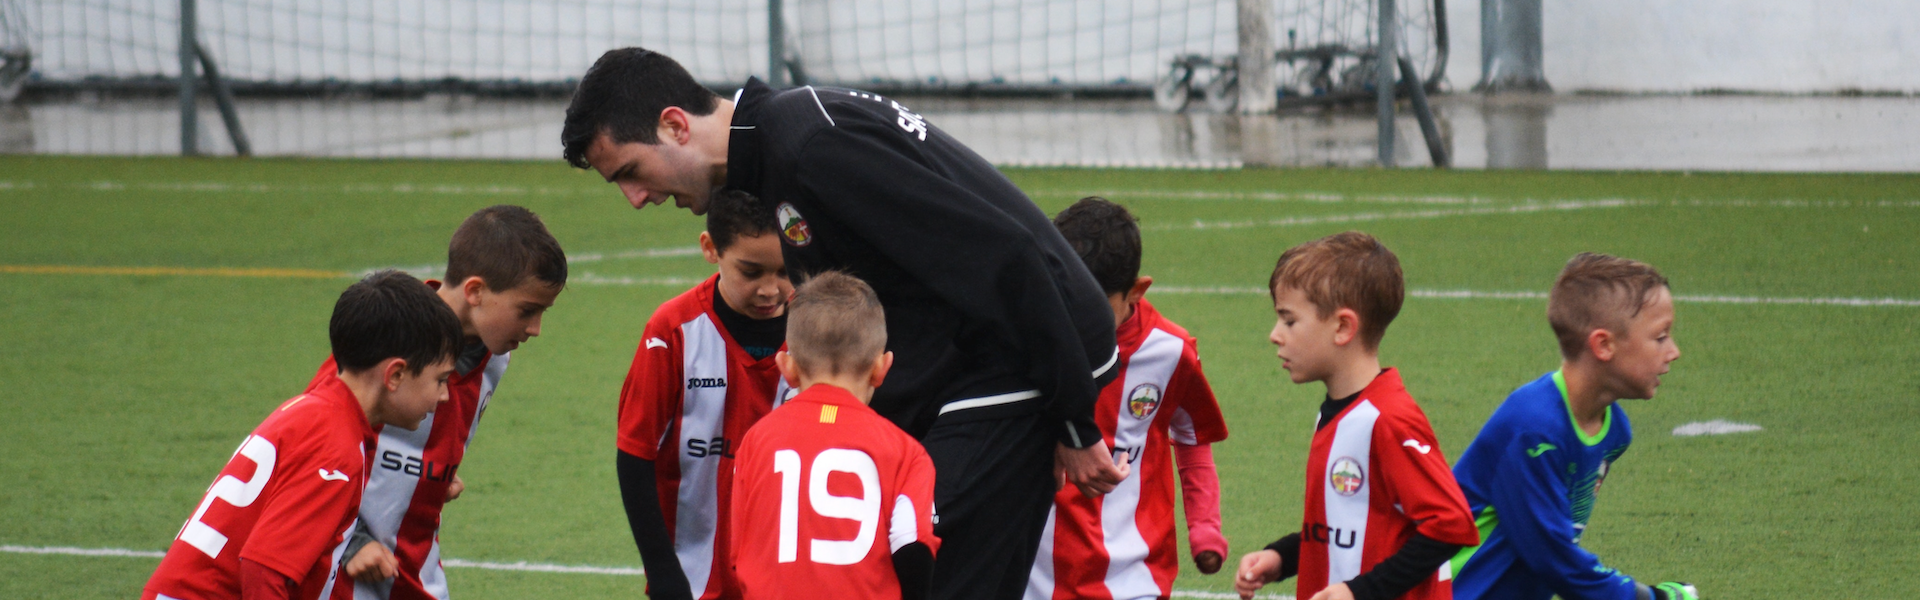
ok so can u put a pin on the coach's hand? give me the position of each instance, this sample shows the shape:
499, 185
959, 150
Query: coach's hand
373, 564
1094, 469
454, 489
1257, 569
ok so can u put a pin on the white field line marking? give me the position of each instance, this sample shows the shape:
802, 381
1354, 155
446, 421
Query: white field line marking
348, 188
1316, 197
437, 270
1482, 295
1201, 225
524, 566
1714, 427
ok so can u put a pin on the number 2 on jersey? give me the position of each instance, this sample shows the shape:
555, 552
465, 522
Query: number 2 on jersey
864, 508
236, 492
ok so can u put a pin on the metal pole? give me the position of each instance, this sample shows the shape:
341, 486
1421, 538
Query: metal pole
776, 45
223, 98
189, 117
1257, 87
1383, 79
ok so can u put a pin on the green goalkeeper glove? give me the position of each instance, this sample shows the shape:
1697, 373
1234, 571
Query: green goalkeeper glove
1674, 590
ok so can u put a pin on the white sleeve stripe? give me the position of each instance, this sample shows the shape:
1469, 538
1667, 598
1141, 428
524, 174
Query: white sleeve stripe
1111, 360
905, 527
823, 107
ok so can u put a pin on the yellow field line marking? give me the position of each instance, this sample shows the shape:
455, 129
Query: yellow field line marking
174, 271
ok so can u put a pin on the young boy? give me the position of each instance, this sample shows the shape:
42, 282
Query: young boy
504, 270
704, 373
1383, 513
275, 521
832, 500
1532, 473
1122, 546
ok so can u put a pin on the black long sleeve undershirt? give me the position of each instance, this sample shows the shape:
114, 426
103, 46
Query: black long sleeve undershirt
639, 492
913, 566
1392, 578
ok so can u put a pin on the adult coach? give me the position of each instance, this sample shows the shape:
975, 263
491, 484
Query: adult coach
1002, 338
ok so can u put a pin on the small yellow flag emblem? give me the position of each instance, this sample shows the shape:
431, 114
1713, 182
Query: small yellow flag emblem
829, 413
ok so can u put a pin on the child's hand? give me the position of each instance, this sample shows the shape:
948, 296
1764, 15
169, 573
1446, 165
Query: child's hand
454, 489
1338, 591
1208, 562
374, 563
1256, 571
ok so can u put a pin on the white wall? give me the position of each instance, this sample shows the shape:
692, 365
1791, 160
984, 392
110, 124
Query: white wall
1691, 45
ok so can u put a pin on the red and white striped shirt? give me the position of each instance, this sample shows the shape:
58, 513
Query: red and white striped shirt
689, 398
409, 477
1121, 546
1375, 475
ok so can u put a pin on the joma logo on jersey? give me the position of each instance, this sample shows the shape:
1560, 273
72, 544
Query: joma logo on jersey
719, 446
706, 382
412, 465
1320, 532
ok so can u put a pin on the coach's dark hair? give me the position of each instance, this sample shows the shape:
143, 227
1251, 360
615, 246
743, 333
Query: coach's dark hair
835, 325
733, 214
1107, 238
622, 95
392, 315
504, 245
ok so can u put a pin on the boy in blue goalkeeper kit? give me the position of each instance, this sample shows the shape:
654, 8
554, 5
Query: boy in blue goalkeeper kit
1531, 474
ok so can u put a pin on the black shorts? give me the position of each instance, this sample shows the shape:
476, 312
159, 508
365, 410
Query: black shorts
993, 488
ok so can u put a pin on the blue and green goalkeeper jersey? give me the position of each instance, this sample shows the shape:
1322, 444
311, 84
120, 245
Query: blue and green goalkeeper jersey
1530, 478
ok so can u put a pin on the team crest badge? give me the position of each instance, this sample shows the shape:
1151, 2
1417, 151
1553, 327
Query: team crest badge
1346, 476
1143, 400
793, 226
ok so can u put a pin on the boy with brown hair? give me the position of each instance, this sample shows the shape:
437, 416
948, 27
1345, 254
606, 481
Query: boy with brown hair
1383, 513
276, 519
504, 270
1122, 546
831, 500
1532, 473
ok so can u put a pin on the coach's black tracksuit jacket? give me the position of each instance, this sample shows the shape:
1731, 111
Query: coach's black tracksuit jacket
990, 314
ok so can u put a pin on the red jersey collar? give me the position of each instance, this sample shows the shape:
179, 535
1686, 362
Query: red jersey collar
334, 391
822, 393
1135, 329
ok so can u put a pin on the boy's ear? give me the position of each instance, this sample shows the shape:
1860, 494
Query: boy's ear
1346, 327
1600, 344
390, 372
880, 367
1139, 289
470, 289
788, 369
709, 250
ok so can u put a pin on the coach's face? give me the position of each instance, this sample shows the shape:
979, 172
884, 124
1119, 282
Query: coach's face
651, 173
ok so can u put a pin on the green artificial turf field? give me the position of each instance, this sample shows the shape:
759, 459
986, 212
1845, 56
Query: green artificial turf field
132, 367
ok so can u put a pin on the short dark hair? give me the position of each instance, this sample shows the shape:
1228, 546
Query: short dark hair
835, 325
505, 245
1345, 270
389, 314
734, 214
622, 95
1107, 238
1597, 291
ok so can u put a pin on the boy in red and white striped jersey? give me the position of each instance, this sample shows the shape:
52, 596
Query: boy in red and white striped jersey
1383, 512
504, 270
275, 521
704, 373
1122, 546
832, 501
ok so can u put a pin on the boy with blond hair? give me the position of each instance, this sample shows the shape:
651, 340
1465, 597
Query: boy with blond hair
831, 500
1122, 546
1383, 513
1533, 472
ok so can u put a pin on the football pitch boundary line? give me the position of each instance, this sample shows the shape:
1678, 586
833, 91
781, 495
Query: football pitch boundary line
593, 279
520, 566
